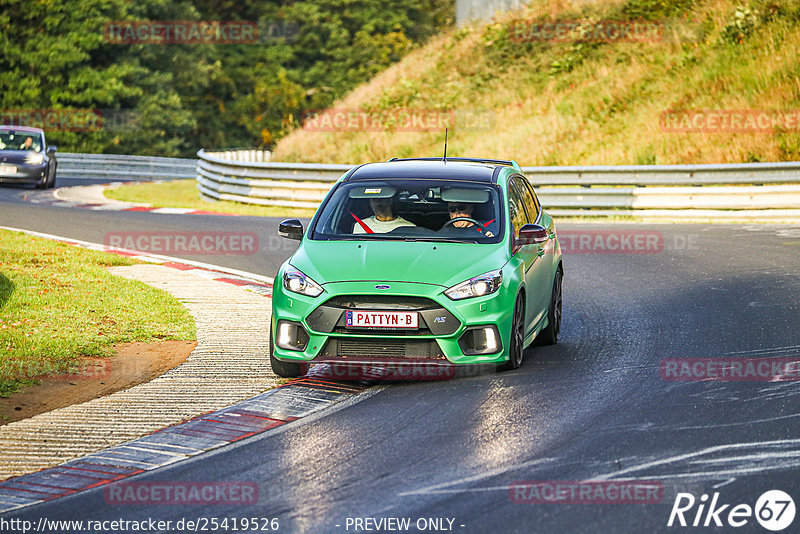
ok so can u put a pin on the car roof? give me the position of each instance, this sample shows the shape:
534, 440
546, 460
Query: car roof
21, 128
472, 170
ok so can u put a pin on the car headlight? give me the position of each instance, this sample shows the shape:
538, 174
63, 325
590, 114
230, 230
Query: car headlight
34, 158
295, 281
476, 287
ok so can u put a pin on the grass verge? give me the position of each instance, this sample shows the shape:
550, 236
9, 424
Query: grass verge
592, 102
184, 194
60, 309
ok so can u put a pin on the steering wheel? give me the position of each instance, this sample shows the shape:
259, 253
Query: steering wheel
456, 219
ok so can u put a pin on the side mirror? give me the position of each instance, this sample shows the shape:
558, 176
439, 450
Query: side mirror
291, 229
51, 149
532, 234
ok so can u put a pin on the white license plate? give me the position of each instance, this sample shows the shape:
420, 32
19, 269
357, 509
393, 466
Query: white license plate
8, 169
381, 319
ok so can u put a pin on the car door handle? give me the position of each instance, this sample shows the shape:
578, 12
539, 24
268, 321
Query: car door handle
540, 252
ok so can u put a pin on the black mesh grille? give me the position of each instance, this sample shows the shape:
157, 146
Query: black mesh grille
381, 302
381, 348
422, 331
366, 348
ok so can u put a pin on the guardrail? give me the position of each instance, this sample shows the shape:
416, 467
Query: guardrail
109, 167
762, 191
296, 185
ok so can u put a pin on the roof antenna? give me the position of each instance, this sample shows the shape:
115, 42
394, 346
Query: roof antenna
444, 158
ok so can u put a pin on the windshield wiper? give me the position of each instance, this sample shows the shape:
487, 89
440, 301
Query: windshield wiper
440, 239
395, 237
382, 237
360, 237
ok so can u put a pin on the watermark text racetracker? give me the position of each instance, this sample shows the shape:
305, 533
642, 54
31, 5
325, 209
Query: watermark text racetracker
181, 493
623, 242
394, 370
398, 120
163, 32
730, 369
729, 121
71, 119
86, 369
586, 492
62, 120
231, 243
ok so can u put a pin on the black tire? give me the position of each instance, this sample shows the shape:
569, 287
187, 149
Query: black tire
549, 336
516, 340
284, 369
52, 180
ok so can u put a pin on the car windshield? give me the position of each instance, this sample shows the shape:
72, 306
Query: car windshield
412, 210
20, 140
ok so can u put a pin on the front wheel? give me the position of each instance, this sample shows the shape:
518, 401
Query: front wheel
51, 182
549, 336
517, 339
284, 369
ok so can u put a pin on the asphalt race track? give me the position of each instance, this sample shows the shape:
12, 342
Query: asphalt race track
593, 407
95, 227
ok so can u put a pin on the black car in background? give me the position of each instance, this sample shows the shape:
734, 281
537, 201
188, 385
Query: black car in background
24, 159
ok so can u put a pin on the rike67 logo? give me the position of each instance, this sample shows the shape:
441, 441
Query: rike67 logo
774, 510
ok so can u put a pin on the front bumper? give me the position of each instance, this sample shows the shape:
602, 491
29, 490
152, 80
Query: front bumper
25, 174
443, 322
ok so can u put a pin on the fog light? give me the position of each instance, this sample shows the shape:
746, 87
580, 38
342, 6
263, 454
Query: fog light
491, 340
291, 336
480, 340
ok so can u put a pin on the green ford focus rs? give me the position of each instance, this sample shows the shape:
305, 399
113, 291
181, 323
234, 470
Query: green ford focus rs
419, 262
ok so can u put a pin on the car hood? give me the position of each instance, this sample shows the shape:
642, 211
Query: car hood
15, 156
444, 264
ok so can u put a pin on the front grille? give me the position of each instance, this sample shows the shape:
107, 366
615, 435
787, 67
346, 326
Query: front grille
361, 348
381, 302
381, 348
421, 331
433, 318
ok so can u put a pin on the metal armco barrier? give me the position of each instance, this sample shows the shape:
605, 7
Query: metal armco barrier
108, 167
757, 191
229, 176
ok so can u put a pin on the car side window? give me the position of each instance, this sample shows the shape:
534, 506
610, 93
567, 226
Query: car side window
528, 196
516, 208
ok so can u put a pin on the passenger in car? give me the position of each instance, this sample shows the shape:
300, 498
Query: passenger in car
385, 218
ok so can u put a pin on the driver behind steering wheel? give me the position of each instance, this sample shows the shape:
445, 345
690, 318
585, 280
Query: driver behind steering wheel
463, 210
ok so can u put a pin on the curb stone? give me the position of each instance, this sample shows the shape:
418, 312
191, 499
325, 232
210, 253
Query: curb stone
91, 197
297, 399
165, 420
214, 375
